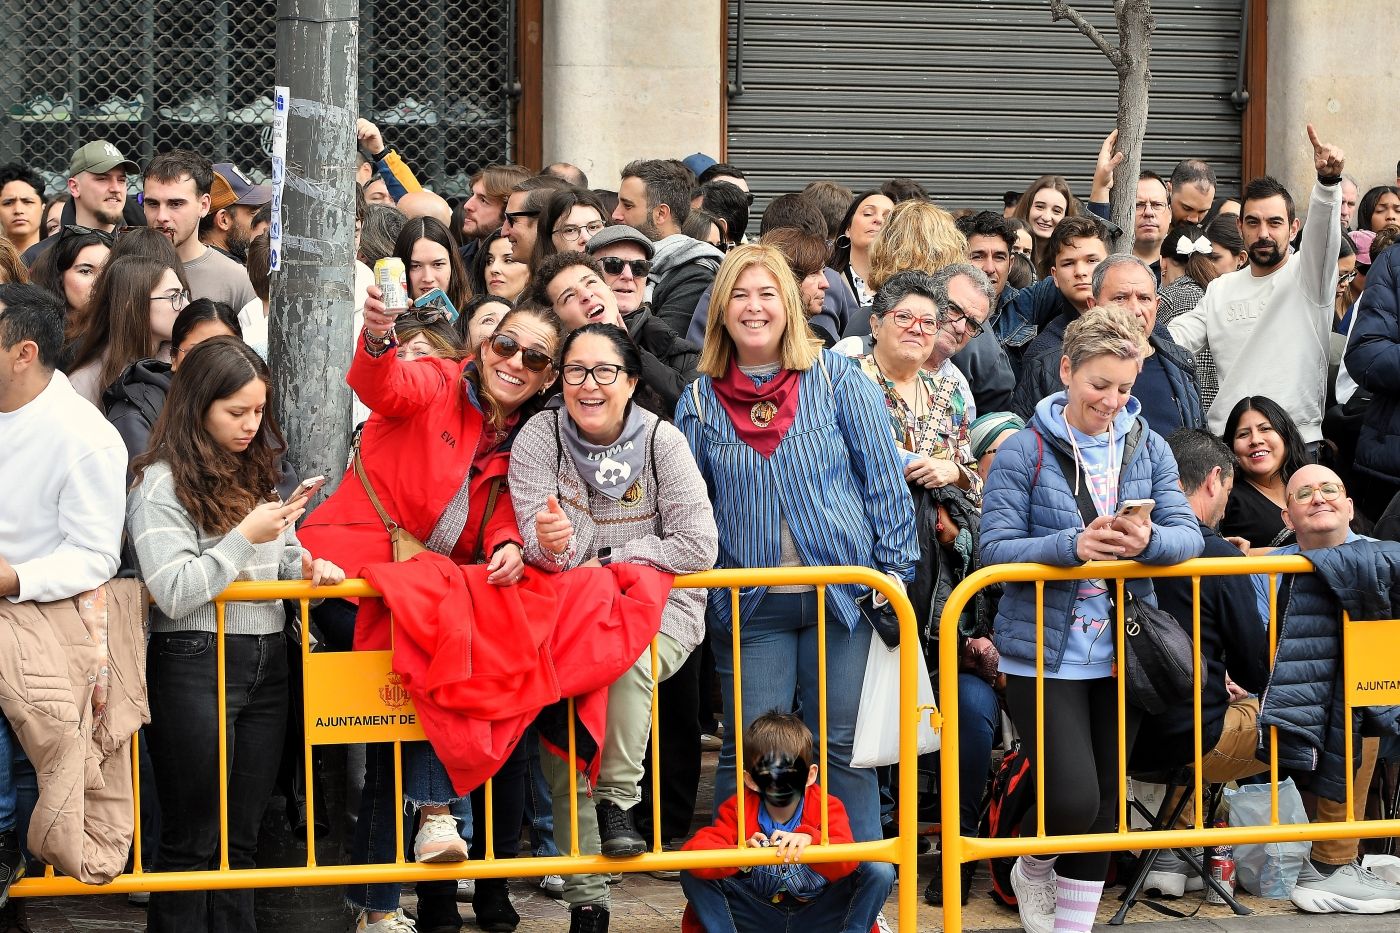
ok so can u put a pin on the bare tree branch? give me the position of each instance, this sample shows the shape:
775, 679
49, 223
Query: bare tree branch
1059, 10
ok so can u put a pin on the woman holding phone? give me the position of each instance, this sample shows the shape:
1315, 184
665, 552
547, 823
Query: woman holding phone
1087, 440
202, 515
436, 453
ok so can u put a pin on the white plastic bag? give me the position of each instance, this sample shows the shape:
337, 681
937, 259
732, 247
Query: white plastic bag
877, 723
1271, 869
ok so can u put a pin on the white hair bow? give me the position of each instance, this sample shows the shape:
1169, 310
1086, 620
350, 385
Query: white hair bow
1186, 246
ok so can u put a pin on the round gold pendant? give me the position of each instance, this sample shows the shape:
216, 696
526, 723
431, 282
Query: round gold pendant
633, 496
763, 413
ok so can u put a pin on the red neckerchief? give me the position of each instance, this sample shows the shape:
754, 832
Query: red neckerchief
761, 414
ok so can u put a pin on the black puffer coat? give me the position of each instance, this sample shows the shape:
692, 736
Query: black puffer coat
1305, 695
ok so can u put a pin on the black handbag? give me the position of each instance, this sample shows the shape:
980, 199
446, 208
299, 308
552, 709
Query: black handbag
1157, 654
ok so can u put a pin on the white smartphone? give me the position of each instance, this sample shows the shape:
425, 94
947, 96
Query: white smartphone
1134, 507
307, 489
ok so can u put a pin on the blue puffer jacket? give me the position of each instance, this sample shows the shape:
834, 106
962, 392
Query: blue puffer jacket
1305, 695
1373, 359
1029, 515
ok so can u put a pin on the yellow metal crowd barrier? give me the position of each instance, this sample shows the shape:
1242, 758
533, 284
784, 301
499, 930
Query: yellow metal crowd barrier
1369, 650
354, 696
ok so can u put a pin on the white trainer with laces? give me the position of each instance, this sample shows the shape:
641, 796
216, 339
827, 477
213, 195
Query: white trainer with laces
1171, 876
1350, 889
395, 922
438, 840
1035, 900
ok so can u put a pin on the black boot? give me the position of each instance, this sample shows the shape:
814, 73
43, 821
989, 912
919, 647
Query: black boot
589, 918
492, 906
933, 894
11, 864
619, 837
437, 907
13, 918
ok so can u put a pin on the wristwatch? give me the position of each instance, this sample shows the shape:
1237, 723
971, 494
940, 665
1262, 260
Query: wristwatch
605, 556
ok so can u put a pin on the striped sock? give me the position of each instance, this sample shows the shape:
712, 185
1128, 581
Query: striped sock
1076, 903
1038, 869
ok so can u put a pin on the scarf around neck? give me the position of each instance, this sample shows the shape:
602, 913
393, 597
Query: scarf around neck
761, 414
611, 469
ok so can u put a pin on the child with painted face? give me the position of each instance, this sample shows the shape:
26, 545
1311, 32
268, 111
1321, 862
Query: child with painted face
782, 810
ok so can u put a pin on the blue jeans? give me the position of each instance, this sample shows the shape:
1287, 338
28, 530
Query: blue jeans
847, 905
19, 788
539, 804
779, 667
979, 715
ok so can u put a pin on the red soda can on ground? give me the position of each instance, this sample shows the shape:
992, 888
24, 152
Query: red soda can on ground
1222, 869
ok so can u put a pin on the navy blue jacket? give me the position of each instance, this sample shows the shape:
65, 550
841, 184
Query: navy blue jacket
1040, 376
1305, 695
1373, 359
1029, 515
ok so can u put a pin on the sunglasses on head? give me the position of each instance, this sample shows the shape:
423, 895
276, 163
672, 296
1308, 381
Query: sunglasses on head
79, 230
612, 265
505, 346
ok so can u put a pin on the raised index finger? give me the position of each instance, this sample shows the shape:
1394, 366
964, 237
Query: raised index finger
1312, 138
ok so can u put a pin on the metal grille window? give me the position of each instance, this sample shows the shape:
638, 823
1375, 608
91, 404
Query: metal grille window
435, 75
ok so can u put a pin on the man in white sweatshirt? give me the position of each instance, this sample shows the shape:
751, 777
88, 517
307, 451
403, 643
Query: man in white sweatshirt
1268, 325
63, 473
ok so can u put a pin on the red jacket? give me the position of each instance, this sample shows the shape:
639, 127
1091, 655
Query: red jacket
721, 835
481, 661
417, 447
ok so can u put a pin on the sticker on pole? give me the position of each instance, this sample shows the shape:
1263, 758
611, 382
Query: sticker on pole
1372, 662
355, 696
280, 97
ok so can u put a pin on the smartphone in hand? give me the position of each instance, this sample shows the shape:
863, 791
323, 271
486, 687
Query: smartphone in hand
307, 489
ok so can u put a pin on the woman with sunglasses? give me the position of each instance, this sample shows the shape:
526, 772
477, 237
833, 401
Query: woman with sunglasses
130, 317
795, 445
71, 265
452, 497
599, 481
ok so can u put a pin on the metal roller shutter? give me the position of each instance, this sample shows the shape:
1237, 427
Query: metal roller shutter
969, 98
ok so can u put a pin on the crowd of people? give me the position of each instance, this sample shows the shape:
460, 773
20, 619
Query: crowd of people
591, 391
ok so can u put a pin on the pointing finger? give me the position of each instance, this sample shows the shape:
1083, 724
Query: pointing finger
1312, 138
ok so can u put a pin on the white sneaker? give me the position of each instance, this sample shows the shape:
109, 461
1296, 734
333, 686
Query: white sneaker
1035, 900
881, 924
466, 890
258, 112
395, 922
198, 109
1171, 876
115, 110
43, 109
1350, 889
438, 840
552, 886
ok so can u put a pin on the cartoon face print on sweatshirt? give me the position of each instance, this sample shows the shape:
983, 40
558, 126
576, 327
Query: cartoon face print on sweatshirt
1087, 628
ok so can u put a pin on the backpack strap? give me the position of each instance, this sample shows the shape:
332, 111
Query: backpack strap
1087, 510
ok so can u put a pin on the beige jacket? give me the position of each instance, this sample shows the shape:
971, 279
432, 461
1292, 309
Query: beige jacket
73, 686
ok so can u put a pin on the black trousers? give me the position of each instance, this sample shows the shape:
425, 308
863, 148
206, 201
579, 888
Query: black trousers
1081, 761
679, 701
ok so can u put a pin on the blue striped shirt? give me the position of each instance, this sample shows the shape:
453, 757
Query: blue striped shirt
836, 479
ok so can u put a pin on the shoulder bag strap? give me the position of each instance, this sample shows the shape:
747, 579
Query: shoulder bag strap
1087, 510
389, 524
491, 498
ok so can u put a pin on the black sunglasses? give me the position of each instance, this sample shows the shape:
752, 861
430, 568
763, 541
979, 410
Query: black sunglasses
514, 216
70, 230
612, 265
505, 346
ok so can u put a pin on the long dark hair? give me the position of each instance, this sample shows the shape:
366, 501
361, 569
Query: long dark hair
216, 486
1367, 207
54, 262
118, 321
430, 228
476, 275
841, 251
1295, 455
556, 209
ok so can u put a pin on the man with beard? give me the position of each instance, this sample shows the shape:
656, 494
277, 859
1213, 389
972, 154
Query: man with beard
1267, 325
97, 178
230, 228
177, 195
483, 212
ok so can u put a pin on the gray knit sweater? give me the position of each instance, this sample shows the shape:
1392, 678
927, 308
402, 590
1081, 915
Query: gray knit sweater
184, 568
670, 526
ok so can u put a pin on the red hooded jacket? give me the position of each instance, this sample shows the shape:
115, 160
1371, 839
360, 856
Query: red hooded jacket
481, 661
417, 448
721, 834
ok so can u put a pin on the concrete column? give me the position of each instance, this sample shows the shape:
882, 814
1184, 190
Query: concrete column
629, 79
1324, 70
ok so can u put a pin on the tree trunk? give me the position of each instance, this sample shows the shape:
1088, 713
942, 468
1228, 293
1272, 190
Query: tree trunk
313, 301
1129, 59
1135, 25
